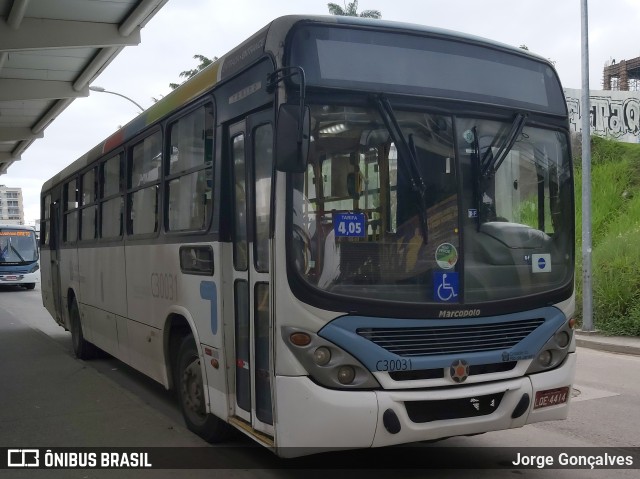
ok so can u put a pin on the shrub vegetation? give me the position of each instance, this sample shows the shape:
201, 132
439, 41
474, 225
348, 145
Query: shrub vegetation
615, 211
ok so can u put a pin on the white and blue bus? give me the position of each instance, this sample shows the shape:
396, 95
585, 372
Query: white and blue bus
19, 257
344, 233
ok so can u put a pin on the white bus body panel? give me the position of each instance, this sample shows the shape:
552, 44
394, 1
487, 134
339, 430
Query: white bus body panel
126, 294
102, 278
311, 417
68, 259
145, 350
216, 383
46, 288
102, 295
148, 306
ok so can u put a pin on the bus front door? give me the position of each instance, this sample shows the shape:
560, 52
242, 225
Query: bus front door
54, 245
250, 147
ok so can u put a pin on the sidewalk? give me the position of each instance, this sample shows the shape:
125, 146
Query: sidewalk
612, 344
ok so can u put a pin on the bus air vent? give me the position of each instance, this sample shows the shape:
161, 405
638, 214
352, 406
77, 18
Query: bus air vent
455, 339
427, 411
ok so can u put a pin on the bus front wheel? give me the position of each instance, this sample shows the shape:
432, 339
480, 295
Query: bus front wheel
82, 348
30, 285
190, 389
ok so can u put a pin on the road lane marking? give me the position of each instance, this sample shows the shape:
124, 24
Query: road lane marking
584, 393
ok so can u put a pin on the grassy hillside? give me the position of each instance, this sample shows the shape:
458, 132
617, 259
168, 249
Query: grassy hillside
615, 210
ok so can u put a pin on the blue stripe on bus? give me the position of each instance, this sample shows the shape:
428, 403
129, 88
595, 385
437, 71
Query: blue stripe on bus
343, 332
209, 291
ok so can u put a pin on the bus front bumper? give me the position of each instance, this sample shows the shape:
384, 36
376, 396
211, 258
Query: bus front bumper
19, 278
312, 419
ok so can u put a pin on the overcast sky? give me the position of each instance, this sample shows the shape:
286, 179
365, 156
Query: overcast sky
183, 28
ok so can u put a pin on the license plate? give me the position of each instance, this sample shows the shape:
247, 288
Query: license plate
11, 278
551, 397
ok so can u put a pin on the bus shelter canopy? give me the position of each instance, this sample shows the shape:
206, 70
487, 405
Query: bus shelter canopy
50, 52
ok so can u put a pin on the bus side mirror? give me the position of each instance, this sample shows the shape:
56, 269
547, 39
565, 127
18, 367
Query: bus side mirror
292, 139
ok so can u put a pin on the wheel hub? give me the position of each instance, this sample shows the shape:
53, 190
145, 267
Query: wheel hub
192, 390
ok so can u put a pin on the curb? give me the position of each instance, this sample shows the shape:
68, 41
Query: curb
611, 344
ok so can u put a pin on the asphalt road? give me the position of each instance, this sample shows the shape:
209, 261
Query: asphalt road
48, 398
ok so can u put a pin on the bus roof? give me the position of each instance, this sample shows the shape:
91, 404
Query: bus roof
269, 39
17, 227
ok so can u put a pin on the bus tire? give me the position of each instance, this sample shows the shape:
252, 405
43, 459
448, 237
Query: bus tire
191, 397
30, 285
82, 348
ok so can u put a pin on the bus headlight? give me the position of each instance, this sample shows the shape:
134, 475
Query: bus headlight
326, 363
322, 356
346, 374
554, 351
545, 358
562, 339
34, 268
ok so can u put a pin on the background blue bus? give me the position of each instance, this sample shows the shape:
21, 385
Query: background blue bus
19, 258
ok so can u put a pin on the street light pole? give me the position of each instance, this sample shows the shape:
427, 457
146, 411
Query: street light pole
587, 292
102, 90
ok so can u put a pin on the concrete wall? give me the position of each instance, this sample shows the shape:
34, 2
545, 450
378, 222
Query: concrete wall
614, 114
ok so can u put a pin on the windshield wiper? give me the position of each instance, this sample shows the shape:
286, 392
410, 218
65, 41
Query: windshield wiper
17, 252
490, 163
406, 151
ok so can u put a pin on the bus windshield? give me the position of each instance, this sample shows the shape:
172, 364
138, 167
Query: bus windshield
17, 246
358, 224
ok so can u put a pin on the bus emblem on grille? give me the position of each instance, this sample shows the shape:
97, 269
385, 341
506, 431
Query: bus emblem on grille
459, 371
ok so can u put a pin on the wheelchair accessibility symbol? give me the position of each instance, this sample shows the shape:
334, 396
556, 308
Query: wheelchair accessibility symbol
445, 286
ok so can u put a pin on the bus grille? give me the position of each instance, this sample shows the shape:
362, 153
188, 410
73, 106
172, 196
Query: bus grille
437, 340
15, 271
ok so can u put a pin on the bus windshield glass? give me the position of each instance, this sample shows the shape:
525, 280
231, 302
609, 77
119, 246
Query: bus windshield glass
358, 224
17, 246
432, 66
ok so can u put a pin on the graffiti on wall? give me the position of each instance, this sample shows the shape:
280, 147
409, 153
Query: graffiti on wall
611, 115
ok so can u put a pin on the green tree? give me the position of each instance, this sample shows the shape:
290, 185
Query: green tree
351, 10
204, 63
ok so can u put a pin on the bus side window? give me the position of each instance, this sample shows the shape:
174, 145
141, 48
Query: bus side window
143, 184
111, 203
70, 227
263, 155
88, 215
190, 175
240, 260
45, 227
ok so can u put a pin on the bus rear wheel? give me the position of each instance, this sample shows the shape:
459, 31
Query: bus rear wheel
82, 348
191, 397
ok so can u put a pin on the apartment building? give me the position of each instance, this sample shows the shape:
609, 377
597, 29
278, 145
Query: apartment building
11, 206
